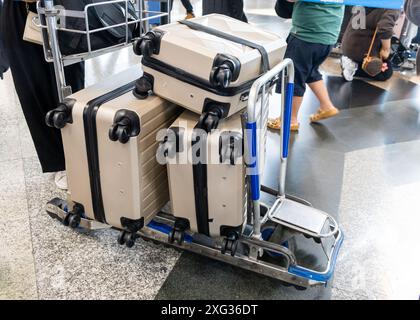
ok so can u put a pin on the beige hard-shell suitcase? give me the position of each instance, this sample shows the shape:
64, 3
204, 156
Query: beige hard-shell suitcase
208, 191
110, 145
206, 62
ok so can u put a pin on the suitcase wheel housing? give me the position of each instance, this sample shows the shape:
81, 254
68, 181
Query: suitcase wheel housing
225, 70
60, 116
143, 87
126, 125
149, 44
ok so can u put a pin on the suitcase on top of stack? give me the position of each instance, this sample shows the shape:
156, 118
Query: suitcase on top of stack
109, 139
206, 64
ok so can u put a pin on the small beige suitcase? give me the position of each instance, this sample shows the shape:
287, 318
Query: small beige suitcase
207, 62
208, 192
110, 145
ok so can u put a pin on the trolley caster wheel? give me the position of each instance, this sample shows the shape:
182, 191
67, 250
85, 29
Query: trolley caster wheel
176, 235
230, 246
318, 240
286, 284
299, 288
66, 220
74, 220
143, 86
127, 238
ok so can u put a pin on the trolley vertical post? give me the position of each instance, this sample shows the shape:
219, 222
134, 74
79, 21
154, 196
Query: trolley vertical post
287, 100
60, 78
286, 68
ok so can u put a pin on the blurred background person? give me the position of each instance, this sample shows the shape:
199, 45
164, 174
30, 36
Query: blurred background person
412, 10
315, 31
231, 8
356, 42
188, 7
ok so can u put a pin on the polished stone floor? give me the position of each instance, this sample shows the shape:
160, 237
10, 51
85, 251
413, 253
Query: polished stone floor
362, 167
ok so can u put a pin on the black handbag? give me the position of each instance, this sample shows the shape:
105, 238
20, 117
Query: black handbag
99, 17
4, 62
284, 8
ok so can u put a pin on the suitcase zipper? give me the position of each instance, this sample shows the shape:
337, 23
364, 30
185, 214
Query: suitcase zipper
91, 138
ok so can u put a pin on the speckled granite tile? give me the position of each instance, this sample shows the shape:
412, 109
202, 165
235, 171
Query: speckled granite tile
9, 140
88, 265
17, 274
380, 257
12, 191
8, 102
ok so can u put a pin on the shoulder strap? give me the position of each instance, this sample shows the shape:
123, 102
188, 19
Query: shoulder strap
223, 35
372, 43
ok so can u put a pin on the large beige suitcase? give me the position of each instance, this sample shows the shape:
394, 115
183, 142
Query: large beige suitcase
110, 145
208, 191
201, 69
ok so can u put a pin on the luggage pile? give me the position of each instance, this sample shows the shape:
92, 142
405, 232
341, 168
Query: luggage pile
207, 65
181, 130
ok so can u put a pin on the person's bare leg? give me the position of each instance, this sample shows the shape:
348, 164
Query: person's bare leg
296, 104
276, 123
326, 109
321, 92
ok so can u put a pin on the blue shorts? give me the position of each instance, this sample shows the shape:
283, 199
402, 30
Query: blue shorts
307, 58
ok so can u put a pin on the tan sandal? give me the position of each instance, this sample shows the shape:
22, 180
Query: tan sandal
294, 127
276, 125
322, 115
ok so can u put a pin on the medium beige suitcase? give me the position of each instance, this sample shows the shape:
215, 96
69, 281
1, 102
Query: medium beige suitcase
207, 62
110, 145
208, 192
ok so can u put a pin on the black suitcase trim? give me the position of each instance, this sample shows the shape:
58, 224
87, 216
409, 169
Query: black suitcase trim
91, 139
200, 183
193, 80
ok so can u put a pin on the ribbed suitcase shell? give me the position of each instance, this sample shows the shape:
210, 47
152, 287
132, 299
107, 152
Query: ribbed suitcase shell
226, 189
133, 184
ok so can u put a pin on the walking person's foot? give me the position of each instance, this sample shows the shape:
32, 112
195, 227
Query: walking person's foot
189, 15
275, 124
60, 180
324, 113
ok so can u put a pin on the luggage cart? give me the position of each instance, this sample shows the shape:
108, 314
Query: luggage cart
273, 255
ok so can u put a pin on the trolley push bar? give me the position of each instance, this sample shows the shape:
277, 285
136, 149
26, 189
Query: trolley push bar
274, 256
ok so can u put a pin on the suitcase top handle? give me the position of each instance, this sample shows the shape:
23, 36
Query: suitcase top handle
199, 27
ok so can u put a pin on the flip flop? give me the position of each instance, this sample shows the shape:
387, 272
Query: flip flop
322, 115
276, 125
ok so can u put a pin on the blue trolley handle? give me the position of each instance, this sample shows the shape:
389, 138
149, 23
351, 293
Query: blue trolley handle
286, 69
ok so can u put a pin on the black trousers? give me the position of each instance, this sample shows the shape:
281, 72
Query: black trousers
187, 5
34, 81
232, 8
237, 9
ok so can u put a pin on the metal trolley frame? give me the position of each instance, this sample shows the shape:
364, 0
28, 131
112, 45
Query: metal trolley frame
48, 16
291, 215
